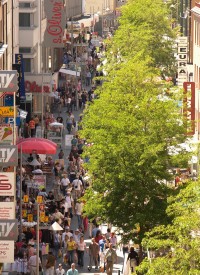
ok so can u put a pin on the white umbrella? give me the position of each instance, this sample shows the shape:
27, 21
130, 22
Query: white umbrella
37, 171
55, 227
56, 124
34, 162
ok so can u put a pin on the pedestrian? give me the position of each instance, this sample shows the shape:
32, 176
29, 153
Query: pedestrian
110, 259
134, 259
31, 125
80, 251
79, 211
93, 253
72, 270
64, 184
50, 264
71, 247
32, 264
60, 270
61, 154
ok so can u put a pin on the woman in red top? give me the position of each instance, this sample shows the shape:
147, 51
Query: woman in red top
98, 236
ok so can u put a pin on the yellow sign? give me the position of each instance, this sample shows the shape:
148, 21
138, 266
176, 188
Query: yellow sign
46, 219
30, 217
39, 199
42, 216
24, 213
7, 111
26, 198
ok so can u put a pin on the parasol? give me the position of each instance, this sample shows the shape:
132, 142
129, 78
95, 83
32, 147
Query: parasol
56, 124
55, 227
34, 163
39, 145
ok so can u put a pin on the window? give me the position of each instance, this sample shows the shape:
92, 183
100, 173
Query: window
24, 5
27, 65
24, 19
24, 50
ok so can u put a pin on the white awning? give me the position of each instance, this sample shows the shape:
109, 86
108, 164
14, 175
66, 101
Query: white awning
2, 49
70, 72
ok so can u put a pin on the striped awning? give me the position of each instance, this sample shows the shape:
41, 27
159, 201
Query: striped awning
196, 10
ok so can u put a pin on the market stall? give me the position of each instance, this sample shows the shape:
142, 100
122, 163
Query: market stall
55, 132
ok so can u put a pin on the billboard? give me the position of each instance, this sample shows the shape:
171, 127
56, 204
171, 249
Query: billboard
6, 134
9, 230
7, 210
8, 155
7, 251
8, 81
55, 13
7, 184
189, 106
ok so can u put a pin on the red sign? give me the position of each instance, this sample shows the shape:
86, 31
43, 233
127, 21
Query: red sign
189, 106
33, 87
55, 13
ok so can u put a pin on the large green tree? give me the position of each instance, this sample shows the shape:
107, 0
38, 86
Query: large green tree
177, 243
132, 124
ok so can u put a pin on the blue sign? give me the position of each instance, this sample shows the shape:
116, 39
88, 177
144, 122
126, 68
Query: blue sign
10, 120
19, 60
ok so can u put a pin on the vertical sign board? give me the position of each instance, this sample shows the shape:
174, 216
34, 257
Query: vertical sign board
7, 210
6, 251
55, 13
189, 106
7, 184
182, 60
8, 155
17, 67
8, 81
19, 60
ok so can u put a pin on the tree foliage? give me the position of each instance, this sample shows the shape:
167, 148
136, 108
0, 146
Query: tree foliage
131, 125
179, 241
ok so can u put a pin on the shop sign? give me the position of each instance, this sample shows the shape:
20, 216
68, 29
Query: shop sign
7, 183
26, 198
189, 106
7, 210
8, 155
19, 61
182, 60
55, 13
9, 230
6, 134
33, 87
7, 251
10, 120
8, 81
29, 97
7, 111
22, 113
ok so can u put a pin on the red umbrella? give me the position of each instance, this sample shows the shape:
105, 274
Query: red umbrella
39, 145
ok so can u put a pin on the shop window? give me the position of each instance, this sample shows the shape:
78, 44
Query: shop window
24, 50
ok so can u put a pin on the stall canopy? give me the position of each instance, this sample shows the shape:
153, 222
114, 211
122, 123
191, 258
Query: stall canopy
38, 145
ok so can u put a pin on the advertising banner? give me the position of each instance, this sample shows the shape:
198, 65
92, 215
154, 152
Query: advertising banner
8, 81
7, 210
8, 155
7, 184
189, 106
55, 13
19, 60
7, 251
6, 134
9, 230
7, 111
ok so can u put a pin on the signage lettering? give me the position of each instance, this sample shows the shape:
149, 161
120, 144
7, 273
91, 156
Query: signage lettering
189, 106
5, 228
4, 183
6, 80
8, 155
35, 88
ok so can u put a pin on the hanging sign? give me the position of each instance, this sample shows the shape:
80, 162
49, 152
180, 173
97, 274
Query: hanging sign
7, 111
8, 155
7, 251
8, 81
7, 210
26, 198
6, 134
9, 230
7, 183
30, 217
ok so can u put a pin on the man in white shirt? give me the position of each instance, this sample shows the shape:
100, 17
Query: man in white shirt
77, 184
64, 184
60, 270
79, 211
69, 201
32, 264
77, 236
